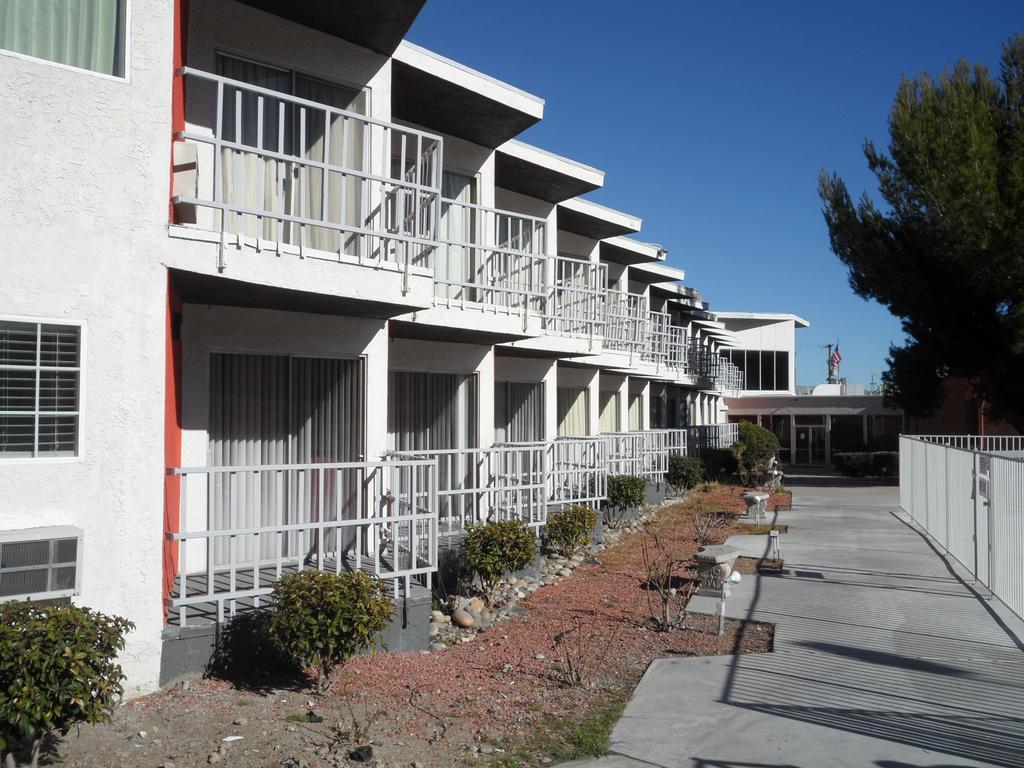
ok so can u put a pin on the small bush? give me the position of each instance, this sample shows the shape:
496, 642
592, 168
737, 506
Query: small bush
494, 549
719, 462
625, 492
57, 668
865, 463
684, 472
569, 529
321, 619
754, 451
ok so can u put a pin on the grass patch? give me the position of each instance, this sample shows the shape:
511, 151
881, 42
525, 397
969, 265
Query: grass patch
562, 739
761, 529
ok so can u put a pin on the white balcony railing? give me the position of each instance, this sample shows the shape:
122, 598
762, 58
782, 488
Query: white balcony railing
243, 527
678, 357
658, 338
484, 485
489, 257
984, 443
577, 304
281, 170
711, 436
643, 453
626, 322
578, 470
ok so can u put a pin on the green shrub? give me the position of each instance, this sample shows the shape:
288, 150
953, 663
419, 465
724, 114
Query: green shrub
321, 619
865, 463
494, 549
754, 451
684, 472
569, 529
719, 462
57, 668
625, 492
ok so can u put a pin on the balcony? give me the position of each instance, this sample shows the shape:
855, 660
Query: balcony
658, 339
577, 304
711, 436
626, 322
644, 453
488, 259
245, 526
678, 350
276, 172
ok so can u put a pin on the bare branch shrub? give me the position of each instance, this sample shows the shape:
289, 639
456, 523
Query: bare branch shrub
704, 524
667, 590
582, 652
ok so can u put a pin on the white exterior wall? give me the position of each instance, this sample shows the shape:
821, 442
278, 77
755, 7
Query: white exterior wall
777, 335
84, 195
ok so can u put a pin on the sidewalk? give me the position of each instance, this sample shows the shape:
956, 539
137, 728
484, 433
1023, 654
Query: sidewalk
882, 658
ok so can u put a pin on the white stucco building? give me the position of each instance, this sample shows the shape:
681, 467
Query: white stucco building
811, 422
283, 288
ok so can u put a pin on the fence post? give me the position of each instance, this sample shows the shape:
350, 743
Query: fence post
974, 493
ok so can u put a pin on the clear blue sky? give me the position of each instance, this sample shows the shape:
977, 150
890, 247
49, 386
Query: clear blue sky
713, 120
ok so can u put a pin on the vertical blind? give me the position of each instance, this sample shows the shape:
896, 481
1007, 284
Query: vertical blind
518, 412
635, 414
573, 412
39, 389
291, 188
610, 412
453, 265
432, 411
272, 409
88, 34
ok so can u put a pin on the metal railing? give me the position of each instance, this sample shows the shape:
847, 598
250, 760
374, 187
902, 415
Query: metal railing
484, 485
284, 170
711, 436
678, 349
699, 361
643, 453
971, 502
243, 527
577, 303
728, 377
626, 321
489, 257
657, 339
578, 470
985, 443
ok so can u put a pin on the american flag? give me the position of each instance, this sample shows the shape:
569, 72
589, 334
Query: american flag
836, 357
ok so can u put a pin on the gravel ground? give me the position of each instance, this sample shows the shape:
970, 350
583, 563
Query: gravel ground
467, 705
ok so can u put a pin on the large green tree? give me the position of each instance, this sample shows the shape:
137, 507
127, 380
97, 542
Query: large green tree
945, 253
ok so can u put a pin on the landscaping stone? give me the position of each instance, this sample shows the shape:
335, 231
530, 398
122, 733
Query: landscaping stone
462, 618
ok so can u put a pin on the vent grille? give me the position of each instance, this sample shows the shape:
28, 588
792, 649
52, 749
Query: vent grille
35, 565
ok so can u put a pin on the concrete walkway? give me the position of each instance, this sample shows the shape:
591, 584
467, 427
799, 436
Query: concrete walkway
883, 657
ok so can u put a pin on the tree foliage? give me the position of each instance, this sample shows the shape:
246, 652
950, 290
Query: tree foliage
754, 451
945, 252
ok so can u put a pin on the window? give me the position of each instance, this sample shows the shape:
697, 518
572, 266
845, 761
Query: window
763, 370
40, 382
85, 34
518, 412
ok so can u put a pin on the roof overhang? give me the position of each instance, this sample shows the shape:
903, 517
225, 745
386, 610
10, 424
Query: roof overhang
655, 273
368, 23
544, 175
442, 95
595, 221
625, 250
765, 316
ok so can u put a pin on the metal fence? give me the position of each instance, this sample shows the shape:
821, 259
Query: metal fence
626, 322
281, 170
243, 527
643, 453
657, 339
577, 304
578, 470
489, 257
484, 485
710, 436
971, 502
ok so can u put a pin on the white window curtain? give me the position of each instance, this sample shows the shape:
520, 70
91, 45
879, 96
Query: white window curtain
519, 412
635, 412
291, 188
431, 411
573, 412
89, 34
610, 412
272, 409
454, 259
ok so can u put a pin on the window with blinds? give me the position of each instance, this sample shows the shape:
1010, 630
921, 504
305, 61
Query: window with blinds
518, 412
40, 383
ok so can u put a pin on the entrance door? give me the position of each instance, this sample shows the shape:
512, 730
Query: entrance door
810, 444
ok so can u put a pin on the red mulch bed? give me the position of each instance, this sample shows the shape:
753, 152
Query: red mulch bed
499, 690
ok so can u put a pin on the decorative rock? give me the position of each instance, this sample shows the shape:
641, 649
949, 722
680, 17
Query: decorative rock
522, 583
363, 754
462, 618
565, 572
433, 647
435, 629
539, 656
213, 759
476, 604
437, 616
